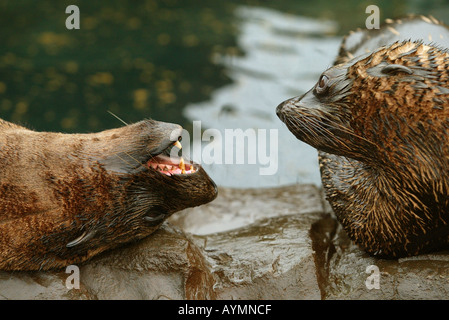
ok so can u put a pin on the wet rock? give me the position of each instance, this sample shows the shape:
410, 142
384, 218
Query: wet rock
39, 285
274, 243
264, 250
235, 208
352, 274
270, 259
167, 265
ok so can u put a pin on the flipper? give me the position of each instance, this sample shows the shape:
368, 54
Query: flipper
87, 235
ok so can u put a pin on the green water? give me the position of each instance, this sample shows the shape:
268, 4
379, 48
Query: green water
137, 59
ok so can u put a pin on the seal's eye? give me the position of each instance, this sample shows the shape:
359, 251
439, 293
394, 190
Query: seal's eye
321, 86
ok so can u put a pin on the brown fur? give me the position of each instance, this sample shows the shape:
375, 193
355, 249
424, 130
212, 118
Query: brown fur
381, 126
56, 187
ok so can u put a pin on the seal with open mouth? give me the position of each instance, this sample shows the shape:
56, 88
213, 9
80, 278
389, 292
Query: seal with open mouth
67, 197
380, 120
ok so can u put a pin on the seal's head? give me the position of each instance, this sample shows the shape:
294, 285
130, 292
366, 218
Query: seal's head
66, 197
380, 122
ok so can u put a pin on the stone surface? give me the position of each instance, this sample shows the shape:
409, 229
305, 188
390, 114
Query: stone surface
39, 285
274, 243
264, 250
236, 208
420, 277
167, 265
270, 259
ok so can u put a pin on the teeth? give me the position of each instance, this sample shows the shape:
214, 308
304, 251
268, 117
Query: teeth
178, 144
182, 166
167, 167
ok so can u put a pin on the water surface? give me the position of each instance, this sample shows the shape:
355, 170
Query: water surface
227, 64
284, 55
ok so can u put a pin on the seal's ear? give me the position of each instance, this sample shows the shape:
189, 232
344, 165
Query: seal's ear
393, 69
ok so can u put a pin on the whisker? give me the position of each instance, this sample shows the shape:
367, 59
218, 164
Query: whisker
346, 130
114, 115
309, 134
336, 137
312, 122
327, 133
295, 125
118, 156
129, 155
337, 126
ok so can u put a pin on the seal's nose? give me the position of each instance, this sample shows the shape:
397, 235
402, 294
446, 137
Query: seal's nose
164, 134
286, 107
289, 106
279, 110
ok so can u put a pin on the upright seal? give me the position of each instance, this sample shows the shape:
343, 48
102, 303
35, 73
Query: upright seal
67, 197
380, 120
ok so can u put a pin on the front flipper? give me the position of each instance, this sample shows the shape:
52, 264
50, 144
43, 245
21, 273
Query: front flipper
86, 236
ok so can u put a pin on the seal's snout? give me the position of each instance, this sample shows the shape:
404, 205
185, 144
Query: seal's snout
286, 107
279, 111
161, 135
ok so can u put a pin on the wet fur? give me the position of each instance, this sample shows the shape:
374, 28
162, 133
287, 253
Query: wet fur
382, 134
67, 197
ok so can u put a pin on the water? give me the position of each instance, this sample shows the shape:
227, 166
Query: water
284, 55
227, 64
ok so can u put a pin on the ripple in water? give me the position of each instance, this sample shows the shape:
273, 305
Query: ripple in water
284, 56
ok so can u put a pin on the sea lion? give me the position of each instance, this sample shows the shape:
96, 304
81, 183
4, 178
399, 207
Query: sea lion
380, 120
65, 198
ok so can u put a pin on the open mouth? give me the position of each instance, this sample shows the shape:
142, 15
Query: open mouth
167, 164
